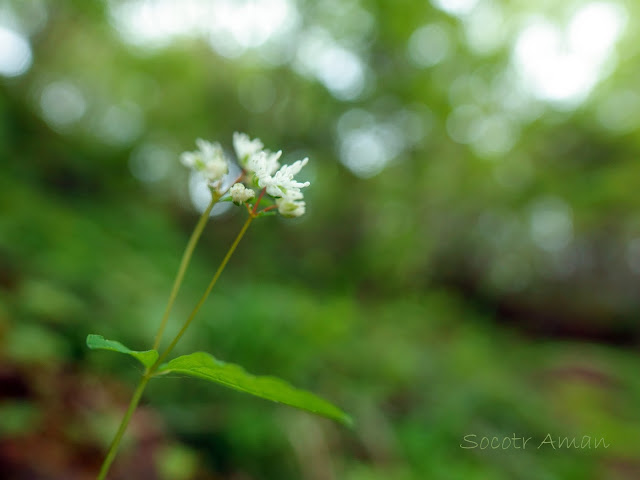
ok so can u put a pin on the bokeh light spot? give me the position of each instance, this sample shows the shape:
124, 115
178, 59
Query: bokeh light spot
120, 124
455, 7
607, 19
414, 123
429, 45
62, 104
551, 223
15, 53
150, 163
200, 195
496, 135
339, 69
485, 30
366, 151
231, 26
463, 124
562, 66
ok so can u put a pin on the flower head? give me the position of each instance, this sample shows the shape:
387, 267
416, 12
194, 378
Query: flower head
282, 182
263, 164
209, 160
245, 147
289, 207
240, 194
260, 168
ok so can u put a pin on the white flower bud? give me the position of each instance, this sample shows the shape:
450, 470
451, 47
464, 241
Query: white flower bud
290, 208
240, 194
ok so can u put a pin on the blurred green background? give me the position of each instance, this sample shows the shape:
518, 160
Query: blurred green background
469, 262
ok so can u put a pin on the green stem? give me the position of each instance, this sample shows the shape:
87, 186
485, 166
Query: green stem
214, 280
184, 263
113, 449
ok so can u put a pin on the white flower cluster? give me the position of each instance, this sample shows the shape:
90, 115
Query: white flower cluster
209, 161
261, 166
277, 181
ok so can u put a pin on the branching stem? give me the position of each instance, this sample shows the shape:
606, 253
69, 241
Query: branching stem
213, 282
184, 263
133, 404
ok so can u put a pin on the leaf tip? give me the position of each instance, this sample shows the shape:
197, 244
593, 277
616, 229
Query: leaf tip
347, 421
92, 339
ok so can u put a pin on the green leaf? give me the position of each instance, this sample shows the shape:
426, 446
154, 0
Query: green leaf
98, 342
207, 367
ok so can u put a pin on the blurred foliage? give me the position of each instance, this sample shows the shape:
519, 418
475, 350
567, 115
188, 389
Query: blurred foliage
469, 262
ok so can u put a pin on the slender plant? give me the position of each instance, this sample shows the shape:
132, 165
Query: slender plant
264, 188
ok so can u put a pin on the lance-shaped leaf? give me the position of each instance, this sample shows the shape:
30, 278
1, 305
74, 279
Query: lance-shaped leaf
207, 367
98, 342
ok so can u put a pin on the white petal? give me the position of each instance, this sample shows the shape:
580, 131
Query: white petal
245, 147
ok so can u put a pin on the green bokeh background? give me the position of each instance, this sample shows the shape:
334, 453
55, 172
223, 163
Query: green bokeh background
446, 282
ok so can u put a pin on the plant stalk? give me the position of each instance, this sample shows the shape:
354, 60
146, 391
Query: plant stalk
214, 280
113, 448
184, 263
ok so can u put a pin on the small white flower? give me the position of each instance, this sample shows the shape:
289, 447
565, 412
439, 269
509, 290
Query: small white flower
240, 193
209, 160
290, 208
245, 147
282, 183
263, 164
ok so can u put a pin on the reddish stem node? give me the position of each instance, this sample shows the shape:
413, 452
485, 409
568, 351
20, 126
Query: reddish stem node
255, 207
269, 208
